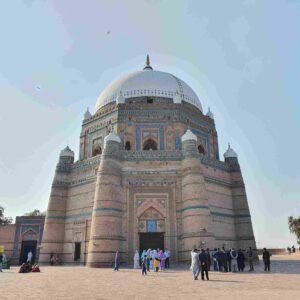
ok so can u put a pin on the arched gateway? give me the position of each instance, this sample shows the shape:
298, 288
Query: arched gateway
148, 176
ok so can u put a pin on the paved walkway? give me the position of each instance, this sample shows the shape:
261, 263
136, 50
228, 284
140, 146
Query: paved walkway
85, 283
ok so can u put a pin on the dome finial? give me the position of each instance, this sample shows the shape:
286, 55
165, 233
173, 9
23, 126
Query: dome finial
87, 114
147, 67
210, 114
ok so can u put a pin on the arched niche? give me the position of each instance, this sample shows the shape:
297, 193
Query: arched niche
150, 144
201, 149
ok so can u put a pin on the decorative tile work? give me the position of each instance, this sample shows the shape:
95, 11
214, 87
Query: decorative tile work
151, 225
162, 155
108, 209
157, 126
192, 207
204, 137
177, 143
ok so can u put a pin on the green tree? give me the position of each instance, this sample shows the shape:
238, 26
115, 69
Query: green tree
4, 220
35, 213
294, 225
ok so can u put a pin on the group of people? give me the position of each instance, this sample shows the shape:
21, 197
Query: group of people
225, 260
27, 268
291, 249
231, 260
54, 259
200, 262
152, 259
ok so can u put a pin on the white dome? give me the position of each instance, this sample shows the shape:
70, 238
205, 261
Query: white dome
148, 83
66, 152
230, 153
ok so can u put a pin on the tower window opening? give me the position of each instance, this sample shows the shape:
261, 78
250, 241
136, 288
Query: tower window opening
201, 149
127, 146
149, 100
150, 145
97, 151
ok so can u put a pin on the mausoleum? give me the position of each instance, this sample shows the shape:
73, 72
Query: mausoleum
148, 175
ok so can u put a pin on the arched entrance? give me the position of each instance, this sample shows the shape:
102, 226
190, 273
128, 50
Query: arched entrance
151, 229
29, 243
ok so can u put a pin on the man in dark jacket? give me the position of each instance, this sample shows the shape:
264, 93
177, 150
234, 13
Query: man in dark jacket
208, 259
229, 259
266, 259
224, 260
218, 257
250, 259
204, 264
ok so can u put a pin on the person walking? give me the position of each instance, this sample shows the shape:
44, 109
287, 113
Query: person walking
250, 259
195, 264
117, 261
241, 260
203, 258
148, 258
136, 260
266, 258
144, 265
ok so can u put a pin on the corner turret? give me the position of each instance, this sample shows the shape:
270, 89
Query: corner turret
210, 114
195, 212
106, 228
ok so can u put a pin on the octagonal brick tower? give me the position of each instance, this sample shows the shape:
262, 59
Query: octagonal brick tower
106, 229
197, 222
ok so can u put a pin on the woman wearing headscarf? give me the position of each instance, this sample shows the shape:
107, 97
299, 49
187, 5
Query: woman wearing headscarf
148, 258
162, 258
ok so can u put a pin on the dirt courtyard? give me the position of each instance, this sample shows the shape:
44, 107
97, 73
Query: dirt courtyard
283, 282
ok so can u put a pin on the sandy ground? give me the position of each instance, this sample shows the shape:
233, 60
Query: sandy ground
283, 282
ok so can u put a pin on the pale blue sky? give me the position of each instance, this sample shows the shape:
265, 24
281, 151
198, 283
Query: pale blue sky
240, 57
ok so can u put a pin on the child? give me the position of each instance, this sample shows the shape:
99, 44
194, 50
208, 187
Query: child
144, 266
156, 263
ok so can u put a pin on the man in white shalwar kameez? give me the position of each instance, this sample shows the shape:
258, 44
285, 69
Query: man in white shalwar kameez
136, 260
195, 265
